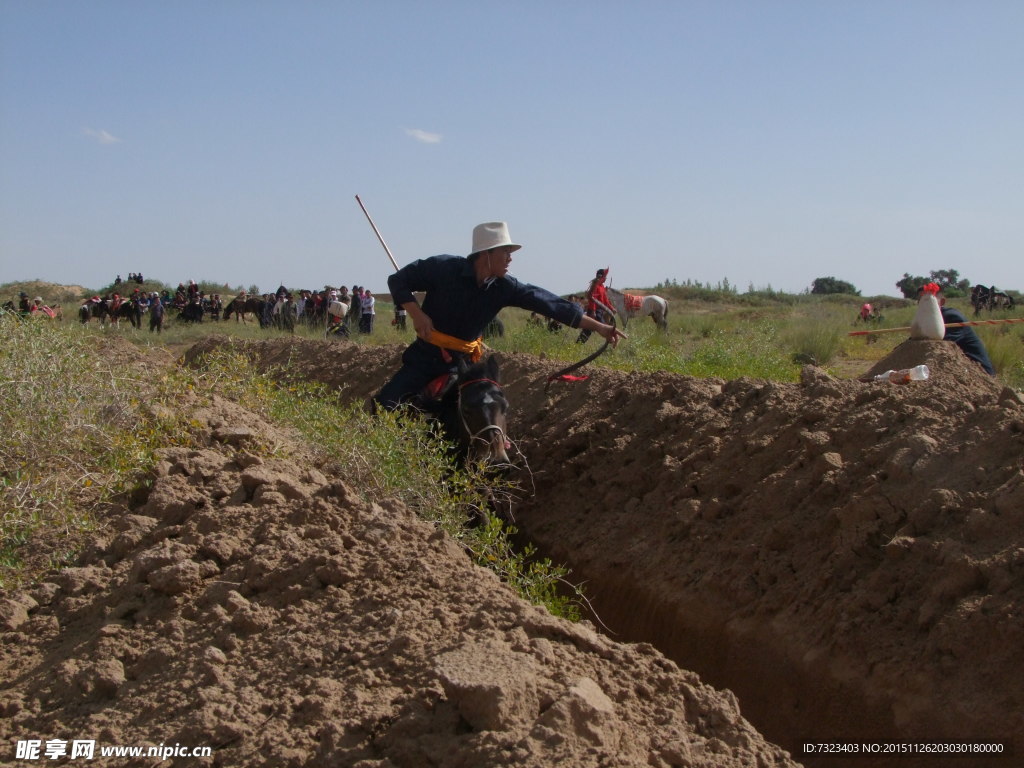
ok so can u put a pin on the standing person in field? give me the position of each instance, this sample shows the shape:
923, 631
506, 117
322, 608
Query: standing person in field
463, 294
368, 312
596, 292
156, 313
355, 314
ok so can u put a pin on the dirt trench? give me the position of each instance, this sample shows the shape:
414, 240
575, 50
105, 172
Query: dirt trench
846, 557
251, 604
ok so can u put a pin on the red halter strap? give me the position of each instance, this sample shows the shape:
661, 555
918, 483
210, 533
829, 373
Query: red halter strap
478, 381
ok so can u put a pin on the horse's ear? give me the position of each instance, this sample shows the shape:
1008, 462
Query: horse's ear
492, 368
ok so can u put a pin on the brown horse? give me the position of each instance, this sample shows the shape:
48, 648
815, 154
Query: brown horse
240, 306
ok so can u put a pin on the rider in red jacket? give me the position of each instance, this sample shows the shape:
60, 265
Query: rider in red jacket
596, 297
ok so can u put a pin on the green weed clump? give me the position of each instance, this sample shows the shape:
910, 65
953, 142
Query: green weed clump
77, 431
815, 340
752, 352
1005, 345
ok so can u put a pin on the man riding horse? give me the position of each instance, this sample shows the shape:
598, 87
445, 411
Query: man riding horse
597, 300
990, 298
463, 294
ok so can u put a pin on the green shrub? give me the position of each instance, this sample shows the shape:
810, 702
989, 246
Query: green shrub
815, 340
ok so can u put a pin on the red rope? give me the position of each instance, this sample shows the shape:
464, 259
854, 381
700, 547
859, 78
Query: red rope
477, 381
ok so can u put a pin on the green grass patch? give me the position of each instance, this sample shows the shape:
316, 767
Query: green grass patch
77, 430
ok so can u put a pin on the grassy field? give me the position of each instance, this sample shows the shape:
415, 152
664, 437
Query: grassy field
720, 334
712, 332
81, 431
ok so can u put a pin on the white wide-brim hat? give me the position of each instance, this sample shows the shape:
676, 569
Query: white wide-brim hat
492, 234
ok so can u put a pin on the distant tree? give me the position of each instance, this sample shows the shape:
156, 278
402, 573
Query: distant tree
909, 285
823, 285
952, 284
948, 279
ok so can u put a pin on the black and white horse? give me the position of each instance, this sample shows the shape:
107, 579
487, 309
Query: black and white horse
128, 309
986, 297
89, 310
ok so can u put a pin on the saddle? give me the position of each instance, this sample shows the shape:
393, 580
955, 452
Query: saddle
633, 302
458, 354
439, 387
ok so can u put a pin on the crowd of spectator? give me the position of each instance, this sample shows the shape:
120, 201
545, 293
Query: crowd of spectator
339, 310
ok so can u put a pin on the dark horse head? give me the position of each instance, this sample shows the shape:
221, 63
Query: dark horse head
481, 412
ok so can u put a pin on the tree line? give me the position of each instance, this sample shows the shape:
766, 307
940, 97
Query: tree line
949, 280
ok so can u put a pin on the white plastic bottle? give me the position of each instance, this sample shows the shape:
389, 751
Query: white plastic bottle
905, 375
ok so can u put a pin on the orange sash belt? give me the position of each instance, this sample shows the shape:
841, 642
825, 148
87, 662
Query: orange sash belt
475, 348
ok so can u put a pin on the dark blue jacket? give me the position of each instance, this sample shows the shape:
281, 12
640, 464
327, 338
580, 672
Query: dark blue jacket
966, 339
459, 307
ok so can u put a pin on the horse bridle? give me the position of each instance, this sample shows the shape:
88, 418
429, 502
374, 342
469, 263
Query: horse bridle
489, 427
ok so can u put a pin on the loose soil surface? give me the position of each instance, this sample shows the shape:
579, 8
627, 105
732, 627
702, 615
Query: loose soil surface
843, 560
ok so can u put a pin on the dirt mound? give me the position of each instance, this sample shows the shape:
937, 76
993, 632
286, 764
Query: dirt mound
51, 293
261, 608
846, 556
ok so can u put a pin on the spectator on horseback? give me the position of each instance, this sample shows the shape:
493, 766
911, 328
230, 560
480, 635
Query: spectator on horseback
48, 311
964, 336
595, 293
463, 294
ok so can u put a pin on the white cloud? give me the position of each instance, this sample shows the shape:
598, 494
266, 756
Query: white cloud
423, 136
101, 137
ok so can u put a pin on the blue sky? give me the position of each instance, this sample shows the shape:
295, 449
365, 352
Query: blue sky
767, 143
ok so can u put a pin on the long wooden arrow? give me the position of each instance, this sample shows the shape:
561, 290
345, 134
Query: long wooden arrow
948, 325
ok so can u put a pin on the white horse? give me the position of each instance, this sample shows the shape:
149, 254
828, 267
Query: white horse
628, 305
